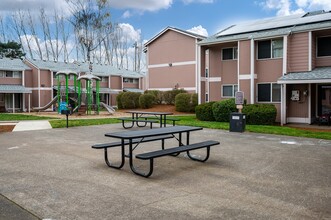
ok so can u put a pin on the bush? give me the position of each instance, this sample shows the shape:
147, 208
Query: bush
146, 100
260, 114
186, 102
169, 96
157, 94
130, 100
119, 101
204, 112
223, 109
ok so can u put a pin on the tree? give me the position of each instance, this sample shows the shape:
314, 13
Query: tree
91, 21
11, 49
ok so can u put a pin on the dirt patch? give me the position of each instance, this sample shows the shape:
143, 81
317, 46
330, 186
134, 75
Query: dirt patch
6, 128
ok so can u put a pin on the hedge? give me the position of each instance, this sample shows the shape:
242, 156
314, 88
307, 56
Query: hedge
146, 100
130, 100
260, 114
169, 96
204, 112
119, 101
186, 102
223, 109
157, 94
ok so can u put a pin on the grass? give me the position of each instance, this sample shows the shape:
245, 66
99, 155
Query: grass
20, 117
184, 120
61, 123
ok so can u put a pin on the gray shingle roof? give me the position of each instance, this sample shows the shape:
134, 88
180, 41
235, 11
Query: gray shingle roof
13, 64
14, 89
98, 69
318, 74
270, 28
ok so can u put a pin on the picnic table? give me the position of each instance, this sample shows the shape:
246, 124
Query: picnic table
132, 139
161, 116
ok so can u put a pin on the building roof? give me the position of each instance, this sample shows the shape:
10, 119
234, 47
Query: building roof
318, 75
270, 27
13, 64
187, 33
98, 69
14, 89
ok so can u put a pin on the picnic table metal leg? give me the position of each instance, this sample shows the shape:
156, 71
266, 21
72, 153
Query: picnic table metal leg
134, 170
122, 158
126, 127
197, 159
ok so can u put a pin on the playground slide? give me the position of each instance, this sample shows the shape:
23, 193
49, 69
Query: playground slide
54, 100
110, 109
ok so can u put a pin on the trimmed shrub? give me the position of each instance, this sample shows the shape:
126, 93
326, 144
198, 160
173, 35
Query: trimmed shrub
119, 101
169, 96
186, 102
260, 114
157, 94
130, 100
204, 112
223, 109
146, 100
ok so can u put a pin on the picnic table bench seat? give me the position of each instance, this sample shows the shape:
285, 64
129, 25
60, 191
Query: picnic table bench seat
167, 119
175, 150
133, 120
105, 146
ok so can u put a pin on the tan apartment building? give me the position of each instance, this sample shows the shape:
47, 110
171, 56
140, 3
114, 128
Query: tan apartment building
285, 61
172, 60
32, 83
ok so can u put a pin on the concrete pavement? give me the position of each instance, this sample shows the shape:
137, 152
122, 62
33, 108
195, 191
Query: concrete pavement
32, 125
55, 174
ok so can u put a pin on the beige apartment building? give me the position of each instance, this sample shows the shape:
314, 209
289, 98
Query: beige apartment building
285, 61
27, 84
172, 60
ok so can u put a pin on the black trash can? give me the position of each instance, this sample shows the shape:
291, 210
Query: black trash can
237, 122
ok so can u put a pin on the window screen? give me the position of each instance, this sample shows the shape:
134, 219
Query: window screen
264, 92
264, 49
324, 46
227, 54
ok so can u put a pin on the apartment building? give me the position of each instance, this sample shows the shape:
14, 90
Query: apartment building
285, 61
26, 84
172, 60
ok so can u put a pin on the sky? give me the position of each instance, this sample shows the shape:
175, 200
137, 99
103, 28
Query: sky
146, 18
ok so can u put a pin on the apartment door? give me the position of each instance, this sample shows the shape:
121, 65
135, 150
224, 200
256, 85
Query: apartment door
324, 99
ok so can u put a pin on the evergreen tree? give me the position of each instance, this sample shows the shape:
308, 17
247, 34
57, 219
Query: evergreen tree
11, 49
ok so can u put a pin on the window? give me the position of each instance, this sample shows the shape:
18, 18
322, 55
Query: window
229, 90
324, 46
9, 74
17, 74
131, 80
207, 97
229, 53
104, 79
206, 73
270, 49
268, 92
2, 74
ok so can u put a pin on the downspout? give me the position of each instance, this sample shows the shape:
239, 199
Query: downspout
252, 72
238, 65
310, 68
283, 90
39, 88
23, 94
198, 64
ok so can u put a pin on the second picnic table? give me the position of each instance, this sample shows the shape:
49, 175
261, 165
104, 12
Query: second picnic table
161, 116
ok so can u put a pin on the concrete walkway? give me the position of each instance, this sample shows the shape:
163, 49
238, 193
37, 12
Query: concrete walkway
32, 125
55, 174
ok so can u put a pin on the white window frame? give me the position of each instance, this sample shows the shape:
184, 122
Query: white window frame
271, 49
234, 53
271, 88
2, 74
317, 46
233, 90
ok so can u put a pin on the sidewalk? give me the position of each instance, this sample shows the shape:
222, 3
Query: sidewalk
32, 125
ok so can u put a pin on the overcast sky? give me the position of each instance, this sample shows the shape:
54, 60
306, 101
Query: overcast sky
206, 17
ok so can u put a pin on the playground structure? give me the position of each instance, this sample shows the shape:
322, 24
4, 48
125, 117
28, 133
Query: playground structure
76, 98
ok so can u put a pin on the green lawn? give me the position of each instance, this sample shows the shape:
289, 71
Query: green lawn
20, 117
184, 120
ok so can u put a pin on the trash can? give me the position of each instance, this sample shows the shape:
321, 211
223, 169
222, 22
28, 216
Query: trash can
237, 122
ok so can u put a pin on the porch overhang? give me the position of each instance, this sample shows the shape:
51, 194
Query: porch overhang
318, 75
14, 89
133, 90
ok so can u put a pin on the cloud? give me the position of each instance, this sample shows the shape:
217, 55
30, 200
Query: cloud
143, 5
288, 7
129, 31
126, 14
197, 1
10, 6
199, 30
